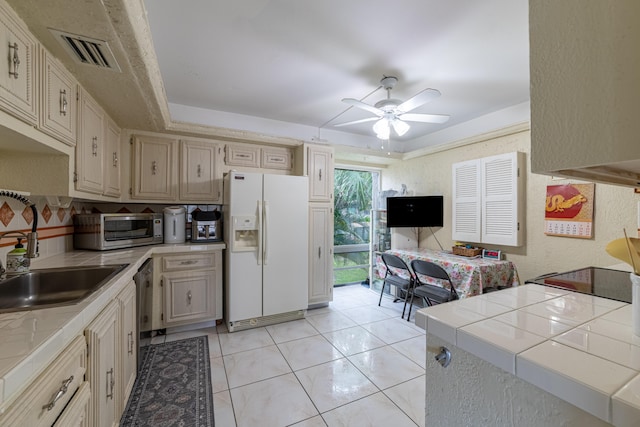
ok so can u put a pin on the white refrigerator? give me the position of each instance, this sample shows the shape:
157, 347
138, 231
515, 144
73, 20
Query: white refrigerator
266, 229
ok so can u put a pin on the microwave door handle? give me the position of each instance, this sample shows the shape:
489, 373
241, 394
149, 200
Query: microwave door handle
259, 225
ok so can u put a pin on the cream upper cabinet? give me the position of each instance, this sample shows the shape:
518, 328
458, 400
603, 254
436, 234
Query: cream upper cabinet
91, 145
488, 200
154, 168
255, 156
199, 177
277, 158
320, 172
242, 155
320, 253
112, 185
18, 82
129, 340
103, 371
58, 100
585, 88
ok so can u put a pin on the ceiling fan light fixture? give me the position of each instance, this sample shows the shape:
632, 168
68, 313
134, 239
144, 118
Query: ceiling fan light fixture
382, 129
400, 127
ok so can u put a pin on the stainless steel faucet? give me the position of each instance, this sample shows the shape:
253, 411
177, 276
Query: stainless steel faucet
32, 237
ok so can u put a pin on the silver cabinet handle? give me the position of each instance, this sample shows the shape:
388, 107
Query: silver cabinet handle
320, 175
63, 102
199, 171
15, 60
115, 159
189, 297
130, 334
189, 262
94, 146
61, 392
154, 167
319, 251
110, 384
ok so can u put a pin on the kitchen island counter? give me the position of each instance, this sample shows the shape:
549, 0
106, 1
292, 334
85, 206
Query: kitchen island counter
32, 339
533, 355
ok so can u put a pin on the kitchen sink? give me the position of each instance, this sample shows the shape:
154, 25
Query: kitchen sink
53, 287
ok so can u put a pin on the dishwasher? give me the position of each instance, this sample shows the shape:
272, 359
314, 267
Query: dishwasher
144, 281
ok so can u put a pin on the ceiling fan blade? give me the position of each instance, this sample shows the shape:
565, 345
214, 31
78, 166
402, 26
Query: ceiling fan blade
359, 104
354, 122
424, 118
419, 99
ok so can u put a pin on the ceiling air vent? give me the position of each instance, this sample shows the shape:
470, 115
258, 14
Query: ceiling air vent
87, 50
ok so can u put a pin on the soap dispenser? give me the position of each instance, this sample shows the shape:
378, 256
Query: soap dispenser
17, 261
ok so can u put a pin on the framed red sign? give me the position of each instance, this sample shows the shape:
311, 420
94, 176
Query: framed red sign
569, 210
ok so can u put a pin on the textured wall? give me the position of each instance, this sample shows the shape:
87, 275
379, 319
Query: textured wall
615, 208
473, 392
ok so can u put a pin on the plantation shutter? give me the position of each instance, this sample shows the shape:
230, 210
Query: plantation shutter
466, 201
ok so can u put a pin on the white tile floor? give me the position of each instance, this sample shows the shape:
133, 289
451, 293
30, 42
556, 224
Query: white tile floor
350, 364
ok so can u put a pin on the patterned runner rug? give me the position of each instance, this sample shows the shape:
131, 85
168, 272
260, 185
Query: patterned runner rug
174, 387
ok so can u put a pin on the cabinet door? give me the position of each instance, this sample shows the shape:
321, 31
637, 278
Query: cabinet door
320, 171
58, 99
154, 168
104, 347
112, 159
320, 253
502, 189
189, 296
199, 180
128, 338
90, 148
466, 209
18, 69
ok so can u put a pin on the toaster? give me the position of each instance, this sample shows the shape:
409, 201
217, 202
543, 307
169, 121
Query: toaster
206, 226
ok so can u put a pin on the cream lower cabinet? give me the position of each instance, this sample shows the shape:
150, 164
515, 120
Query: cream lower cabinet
54, 393
190, 287
320, 253
128, 339
76, 414
104, 347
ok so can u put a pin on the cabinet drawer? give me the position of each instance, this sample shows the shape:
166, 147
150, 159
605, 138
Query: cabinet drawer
77, 412
277, 158
188, 262
243, 156
46, 397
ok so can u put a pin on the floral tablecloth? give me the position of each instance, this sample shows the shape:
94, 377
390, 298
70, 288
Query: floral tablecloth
470, 276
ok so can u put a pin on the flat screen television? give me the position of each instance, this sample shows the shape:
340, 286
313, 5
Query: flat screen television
415, 211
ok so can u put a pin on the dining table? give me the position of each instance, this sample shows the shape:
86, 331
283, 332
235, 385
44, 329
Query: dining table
470, 275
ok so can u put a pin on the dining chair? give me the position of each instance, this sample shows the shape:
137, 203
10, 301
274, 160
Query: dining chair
398, 274
430, 293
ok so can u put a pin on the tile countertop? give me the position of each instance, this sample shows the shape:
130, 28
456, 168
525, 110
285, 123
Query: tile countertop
31, 340
578, 347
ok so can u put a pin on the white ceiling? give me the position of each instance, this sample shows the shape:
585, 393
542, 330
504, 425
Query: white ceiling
283, 66
262, 70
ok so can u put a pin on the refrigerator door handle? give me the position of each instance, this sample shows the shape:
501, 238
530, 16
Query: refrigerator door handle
259, 254
265, 207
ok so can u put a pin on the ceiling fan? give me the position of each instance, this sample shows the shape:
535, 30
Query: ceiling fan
393, 113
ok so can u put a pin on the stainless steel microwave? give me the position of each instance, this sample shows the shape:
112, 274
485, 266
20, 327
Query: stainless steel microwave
117, 230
